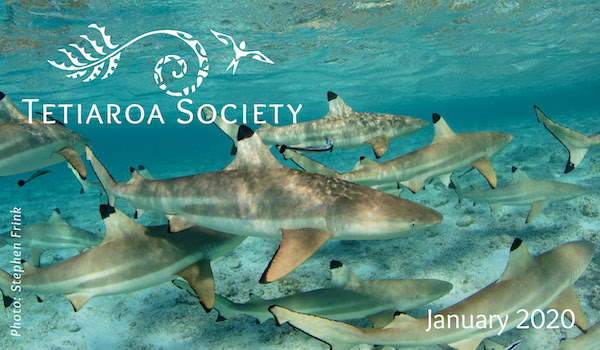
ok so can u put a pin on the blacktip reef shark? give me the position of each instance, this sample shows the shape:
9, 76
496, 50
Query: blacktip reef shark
575, 142
341, 128
523, 191
348, 297
589, 340
28, 146
447, 153
257, 196
56, 233
528, 283
130, 258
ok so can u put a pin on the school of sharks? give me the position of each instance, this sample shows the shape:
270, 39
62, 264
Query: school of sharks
304, 204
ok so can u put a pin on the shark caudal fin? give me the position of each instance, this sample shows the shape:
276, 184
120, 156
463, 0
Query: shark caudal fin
566, 137
306, 163
229, 129
339, 335
5, 283
107, 181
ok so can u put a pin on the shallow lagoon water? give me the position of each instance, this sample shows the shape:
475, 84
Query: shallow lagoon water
480, 64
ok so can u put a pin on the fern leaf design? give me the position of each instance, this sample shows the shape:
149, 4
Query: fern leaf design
112, 65
95, 73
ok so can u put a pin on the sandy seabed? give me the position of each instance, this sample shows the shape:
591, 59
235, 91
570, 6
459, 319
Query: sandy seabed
469, 249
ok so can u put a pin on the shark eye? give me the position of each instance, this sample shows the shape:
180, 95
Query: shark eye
413, 223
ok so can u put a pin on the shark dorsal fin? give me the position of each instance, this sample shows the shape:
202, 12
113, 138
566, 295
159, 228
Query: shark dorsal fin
8, 111
55, 218
519, 259
518, 175
441, 130
364, 163
399, 318
253, 298
135, 176
337, 106
27, 267
118, 225
145, 173
341, 276
252, 152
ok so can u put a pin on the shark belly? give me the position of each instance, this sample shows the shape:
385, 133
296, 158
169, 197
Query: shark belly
17, 160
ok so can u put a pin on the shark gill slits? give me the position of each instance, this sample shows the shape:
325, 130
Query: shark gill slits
331, 95
1, 95
436, 118
106, 210
516, 244
334, 264
570, 166
244, 132
513, 169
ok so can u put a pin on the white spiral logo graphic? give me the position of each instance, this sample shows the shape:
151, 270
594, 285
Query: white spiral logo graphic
94, 64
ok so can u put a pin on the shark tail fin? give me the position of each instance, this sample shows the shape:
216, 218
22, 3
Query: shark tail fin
229, 129
306, 163
5, 283
107, 181
456, 187
338, 335
564, 136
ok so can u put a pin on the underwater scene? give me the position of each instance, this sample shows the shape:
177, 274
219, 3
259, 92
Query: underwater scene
300, 174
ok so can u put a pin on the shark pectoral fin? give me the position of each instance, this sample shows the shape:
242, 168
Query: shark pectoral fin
536, 208
296, 246
36, 252
200, 278
380, 145
73, 158
178, 223
413, 185
381, 319
518, 259
484, 166
78, 300
467, 344
568, 300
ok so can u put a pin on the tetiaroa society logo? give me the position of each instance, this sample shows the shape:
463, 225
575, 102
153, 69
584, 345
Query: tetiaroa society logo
99, 60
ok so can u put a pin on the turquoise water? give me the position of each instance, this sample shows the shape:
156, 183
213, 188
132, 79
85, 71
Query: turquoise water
480, 64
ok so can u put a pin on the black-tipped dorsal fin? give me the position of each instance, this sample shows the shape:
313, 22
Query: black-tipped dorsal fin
341, 276
441, 130
135, 176
467, 344
518, 175
27, 267
55, 218
400, 318
9, 112
337, 106
145, 173
252, 152
364, 163
118, 225
518, 259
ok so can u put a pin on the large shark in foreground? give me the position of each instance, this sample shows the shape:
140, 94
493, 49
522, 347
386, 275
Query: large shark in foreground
348, 297
131, 257
528, 283
56, 233
257, 196
524, 191
590, 340
447, 153
28, 146
575, 142
341, 128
